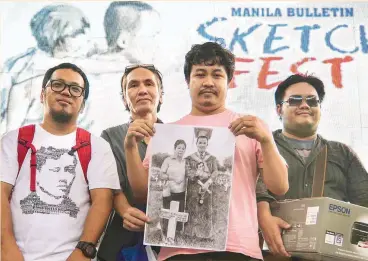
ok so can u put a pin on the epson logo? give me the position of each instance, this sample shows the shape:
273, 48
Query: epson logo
339, 209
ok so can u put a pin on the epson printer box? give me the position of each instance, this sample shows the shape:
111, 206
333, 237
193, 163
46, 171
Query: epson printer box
324, 229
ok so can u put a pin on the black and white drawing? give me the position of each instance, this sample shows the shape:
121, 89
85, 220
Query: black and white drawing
190, 186
55, 177
63, 33
102, 37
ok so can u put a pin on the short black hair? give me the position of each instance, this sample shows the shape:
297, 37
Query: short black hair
202, 137
72, 67
315, 82
209, 53
115, 22
158, 76
178, 142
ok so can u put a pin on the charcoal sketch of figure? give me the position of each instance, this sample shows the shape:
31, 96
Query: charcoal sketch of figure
202, 169
130, 32
55, 177
61, 33
131, 28
173, 174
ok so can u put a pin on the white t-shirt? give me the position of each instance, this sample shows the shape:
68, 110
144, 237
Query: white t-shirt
48, 223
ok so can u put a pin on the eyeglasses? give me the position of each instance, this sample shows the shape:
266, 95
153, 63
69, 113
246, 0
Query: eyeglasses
150, 67
297, 100
59, 86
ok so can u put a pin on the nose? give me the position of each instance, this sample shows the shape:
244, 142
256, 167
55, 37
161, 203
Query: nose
304, 104
208, 82
66, 91
142, 89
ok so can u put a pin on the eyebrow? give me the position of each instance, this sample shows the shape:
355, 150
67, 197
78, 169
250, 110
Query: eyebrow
138, 81
214, 71
300, 95
200, 70
71, 83
218, 70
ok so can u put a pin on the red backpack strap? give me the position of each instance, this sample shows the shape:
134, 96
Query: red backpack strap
25, 138
83, 147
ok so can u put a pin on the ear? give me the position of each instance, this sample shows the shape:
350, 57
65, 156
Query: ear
82, 106
279, 110
42, 95
161, 100
124, 100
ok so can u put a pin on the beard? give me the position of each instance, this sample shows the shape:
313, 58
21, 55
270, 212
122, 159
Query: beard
61, 116
302, 130
207, 104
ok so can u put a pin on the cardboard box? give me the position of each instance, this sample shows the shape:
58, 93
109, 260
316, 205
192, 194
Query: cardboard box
324, 229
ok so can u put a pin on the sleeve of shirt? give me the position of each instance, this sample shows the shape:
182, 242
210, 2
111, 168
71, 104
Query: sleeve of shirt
262, 192
120, 168
259, 156
357, 182
102, 171
9, 157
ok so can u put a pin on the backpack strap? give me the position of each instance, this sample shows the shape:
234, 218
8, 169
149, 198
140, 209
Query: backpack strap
83, 147
319, 176
25, 138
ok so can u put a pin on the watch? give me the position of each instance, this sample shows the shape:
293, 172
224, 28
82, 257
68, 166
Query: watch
88, 249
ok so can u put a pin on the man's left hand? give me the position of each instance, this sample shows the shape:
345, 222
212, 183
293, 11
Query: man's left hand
252, 127
77, 255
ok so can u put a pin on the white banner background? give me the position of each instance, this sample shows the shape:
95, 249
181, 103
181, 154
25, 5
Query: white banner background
164, 39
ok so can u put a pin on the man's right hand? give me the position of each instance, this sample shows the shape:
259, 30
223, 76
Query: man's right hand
11, 253
271, 229
137, 131
134, 219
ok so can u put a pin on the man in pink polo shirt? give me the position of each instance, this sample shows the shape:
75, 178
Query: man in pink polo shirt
208, 70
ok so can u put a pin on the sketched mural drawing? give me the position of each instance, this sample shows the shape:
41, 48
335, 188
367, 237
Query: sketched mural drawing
102, 37
62, 33
189, 187
56, 174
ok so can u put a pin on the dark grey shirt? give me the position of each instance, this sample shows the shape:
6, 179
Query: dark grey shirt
346, 177
115, 136
302, 147
116, 236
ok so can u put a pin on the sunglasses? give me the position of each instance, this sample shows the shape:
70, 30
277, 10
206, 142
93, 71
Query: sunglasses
297, 100
150, 67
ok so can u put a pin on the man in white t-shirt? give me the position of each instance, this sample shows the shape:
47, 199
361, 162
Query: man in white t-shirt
60, 212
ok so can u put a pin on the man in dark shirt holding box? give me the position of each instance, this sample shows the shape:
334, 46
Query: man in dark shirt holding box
298, 100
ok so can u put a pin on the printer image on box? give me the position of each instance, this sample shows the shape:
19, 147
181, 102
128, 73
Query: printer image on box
359, 234
324, 229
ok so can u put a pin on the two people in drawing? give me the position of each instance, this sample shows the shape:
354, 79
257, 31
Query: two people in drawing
188, 181
63, 33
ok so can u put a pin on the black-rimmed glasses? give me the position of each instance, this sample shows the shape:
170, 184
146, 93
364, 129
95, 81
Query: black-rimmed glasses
297, 100
59, 86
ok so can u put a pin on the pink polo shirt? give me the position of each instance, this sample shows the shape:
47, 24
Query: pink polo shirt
243, 224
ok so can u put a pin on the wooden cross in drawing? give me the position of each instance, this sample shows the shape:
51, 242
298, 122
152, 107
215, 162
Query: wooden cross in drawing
174, 216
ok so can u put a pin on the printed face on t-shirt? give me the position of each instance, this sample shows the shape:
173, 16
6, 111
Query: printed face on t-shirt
57, 176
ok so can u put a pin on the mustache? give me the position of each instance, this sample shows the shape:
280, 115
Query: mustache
208, 90
304, 111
